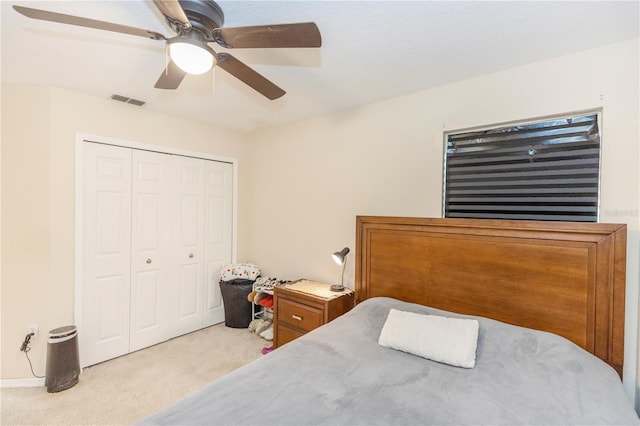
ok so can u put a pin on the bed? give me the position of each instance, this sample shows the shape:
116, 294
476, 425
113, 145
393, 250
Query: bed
548, 302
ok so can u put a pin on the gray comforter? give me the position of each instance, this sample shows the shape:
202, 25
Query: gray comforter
339, 375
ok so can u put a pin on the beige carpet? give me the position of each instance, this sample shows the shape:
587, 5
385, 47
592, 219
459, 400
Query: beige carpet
127, 389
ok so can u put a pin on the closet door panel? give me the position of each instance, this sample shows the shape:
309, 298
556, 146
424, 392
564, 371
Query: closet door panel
147, 316
218, 235
189, 245
189, 291
151, 267
108, 292
106, 252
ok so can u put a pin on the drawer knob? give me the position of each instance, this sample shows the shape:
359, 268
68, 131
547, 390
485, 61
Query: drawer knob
296, 317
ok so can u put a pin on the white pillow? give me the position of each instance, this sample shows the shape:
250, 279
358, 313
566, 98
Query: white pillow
451, 341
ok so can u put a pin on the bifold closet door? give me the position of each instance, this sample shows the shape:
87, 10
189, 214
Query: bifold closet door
152, 266
157, 229
187, 309
106, 252
218, 235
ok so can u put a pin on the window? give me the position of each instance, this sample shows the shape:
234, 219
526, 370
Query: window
548, 170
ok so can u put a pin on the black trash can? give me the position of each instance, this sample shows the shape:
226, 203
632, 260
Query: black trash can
63, 361
237, 308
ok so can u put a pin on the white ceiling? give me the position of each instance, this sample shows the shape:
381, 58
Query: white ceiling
372, 50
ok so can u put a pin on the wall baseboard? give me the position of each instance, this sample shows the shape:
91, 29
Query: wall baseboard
22, 383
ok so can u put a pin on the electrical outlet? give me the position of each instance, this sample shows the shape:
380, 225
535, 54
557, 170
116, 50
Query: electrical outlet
33, 328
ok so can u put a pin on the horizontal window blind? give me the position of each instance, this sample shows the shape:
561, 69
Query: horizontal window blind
540, 171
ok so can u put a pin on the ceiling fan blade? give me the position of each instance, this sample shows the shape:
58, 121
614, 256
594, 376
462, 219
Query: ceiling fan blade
249, 76
283, 35
86, 22
172, 10
171, 77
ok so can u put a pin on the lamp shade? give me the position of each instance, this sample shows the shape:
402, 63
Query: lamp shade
340, 256
190, 55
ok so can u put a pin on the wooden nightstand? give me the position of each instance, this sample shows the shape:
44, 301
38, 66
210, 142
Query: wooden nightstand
303, 305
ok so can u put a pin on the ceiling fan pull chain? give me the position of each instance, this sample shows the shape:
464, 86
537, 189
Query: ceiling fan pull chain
166, 59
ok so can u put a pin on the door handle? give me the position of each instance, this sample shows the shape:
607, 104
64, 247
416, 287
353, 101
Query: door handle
190, 255
149, 260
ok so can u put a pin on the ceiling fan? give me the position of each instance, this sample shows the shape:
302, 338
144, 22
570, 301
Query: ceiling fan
197, 23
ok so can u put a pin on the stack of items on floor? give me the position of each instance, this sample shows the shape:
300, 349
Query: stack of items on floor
236, 282
262, 295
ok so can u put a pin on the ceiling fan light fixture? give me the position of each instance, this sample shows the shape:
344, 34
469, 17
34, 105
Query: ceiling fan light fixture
198, 23
190, 55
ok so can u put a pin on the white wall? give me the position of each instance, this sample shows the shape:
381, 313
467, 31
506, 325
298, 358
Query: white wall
310, 179
39, 126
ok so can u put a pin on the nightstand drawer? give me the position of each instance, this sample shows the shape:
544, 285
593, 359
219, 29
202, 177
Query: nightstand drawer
286, 334
299, 316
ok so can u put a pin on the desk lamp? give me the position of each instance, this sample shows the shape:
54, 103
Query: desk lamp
340, 257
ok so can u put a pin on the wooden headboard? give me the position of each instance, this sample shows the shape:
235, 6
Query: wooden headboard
563, 277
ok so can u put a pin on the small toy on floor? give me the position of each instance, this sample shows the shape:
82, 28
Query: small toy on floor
267, 350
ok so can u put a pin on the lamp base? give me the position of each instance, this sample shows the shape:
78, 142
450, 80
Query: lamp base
337, 287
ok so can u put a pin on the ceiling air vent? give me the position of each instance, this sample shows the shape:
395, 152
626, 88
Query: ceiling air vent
126, 100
